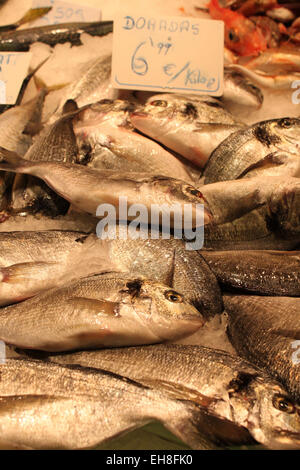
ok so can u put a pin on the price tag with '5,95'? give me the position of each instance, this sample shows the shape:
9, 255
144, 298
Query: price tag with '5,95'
168, 54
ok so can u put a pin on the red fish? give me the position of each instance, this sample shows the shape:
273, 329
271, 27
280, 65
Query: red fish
241, 34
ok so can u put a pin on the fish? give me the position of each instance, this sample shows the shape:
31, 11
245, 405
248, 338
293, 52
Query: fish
68, 407
273, 225
99, 311
237, 396
280, 81
108, 141
269, 147
192, 127
22, 39
274, 273
273, 32
31, 15
282, 14
239, 90
241, 34
275, 60
31, 262
87, 188
266, 331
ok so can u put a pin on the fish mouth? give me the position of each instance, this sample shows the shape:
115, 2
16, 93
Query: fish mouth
139, 114
289, 439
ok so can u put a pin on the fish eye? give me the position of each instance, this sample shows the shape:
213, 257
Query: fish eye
283, 403
173, 296
233, 36
194, 191
160, 103
105, 101
286, 122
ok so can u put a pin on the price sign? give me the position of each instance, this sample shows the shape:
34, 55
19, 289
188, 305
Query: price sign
65, 12
168, 54
13, 69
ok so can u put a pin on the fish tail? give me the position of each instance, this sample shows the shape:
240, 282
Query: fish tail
11, 161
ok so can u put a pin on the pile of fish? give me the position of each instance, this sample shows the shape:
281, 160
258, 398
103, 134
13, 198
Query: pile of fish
105, 334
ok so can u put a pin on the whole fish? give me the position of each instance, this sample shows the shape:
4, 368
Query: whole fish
22, 39
231, 390
270, 147
108, 141
275, 60
49, 406
241, 35
192, 127
262, 272
239, 90
99, 311
34, 261
280, 81
265, 330
87, 188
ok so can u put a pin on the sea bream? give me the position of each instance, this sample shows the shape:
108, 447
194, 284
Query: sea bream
107, 140
99, 311
49, 406
31, 262
191, 126
268, 147
87, 188
238, 398
265, 330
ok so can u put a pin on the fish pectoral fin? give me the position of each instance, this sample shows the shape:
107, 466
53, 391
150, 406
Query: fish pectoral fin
272, 159
97, 306
23, 271
179, 391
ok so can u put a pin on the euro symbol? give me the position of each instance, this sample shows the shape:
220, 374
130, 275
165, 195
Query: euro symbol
168, 69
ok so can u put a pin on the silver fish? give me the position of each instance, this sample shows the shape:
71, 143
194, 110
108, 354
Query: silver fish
268, 146
266, 330
99, 311
192, 127
235, 394
49, 406
87, 188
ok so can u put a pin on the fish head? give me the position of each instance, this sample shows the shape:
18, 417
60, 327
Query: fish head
106, 110
275, 417
163, 115
161, 309
179, 199
288, 129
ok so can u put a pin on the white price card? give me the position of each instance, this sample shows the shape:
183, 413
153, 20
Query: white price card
65, 12
168, 54
13, 69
